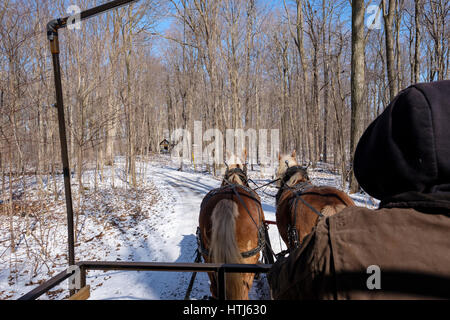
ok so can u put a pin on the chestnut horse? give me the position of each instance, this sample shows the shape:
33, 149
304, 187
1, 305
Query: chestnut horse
300, 204
230, 229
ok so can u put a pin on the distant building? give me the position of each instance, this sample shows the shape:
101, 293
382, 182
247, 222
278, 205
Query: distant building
164, 146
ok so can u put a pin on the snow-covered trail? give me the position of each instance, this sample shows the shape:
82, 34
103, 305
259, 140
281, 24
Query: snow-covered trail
173, 221
156, 221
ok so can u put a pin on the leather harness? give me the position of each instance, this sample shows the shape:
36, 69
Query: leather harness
232, 189
299, 190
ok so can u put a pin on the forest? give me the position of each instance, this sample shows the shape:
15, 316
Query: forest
319, 71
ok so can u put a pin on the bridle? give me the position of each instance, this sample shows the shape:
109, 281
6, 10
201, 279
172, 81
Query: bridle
241, 173
298, 190
290, 172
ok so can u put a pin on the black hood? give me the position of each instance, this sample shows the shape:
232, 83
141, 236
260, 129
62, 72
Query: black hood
407, 148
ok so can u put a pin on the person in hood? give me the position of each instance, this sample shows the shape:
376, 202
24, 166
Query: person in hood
402, 249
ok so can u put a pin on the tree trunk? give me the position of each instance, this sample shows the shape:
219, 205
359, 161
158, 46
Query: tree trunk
417, 42
357, 81
389, 38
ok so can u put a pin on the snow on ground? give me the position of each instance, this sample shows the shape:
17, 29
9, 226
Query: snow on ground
157, 221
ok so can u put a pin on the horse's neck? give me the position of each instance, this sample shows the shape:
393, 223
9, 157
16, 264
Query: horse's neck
236, 179
295, 179
294, 183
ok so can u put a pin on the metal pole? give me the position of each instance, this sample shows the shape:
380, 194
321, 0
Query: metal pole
54, 48
194, 274
52, 34
83, 272
89, 13
40, 290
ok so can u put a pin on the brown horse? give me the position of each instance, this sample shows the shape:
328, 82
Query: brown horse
300, 204
230, 224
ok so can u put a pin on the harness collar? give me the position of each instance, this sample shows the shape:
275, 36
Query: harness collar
291, 171
241, 173
301, 186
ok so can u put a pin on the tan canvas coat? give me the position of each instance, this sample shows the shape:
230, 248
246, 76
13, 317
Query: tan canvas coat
411, 249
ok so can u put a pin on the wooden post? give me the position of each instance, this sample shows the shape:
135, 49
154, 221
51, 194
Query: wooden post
83, 294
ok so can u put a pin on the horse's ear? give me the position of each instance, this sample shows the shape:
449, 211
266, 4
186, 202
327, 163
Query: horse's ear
279, 156
294, 154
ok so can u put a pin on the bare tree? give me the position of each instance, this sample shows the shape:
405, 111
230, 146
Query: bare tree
417, 9
388, 16
357, 81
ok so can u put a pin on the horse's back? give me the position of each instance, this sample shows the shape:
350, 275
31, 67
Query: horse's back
322, 195
245, 198
333, 195
247, 201
326, 200
230, 220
